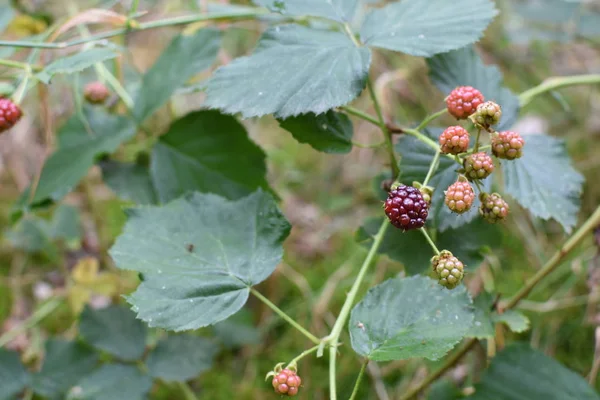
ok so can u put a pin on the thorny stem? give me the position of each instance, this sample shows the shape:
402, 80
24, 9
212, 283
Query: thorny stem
286, 317
340, 322
548, 268
360, 114
430, 118
361, 373
33, 319
302, 355
386, 133
557, 82
430, 241
435, 162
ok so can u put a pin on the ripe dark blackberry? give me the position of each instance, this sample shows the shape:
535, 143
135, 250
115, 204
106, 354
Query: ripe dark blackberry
478, 166
406, 208
460, 196
487, 114
493, 207
463, 101
96, 92
287, 383
507, 145
454, 140
448, 269
10, 114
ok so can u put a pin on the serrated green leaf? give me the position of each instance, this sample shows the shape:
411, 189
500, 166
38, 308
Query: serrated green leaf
112, 381
13, 375
31, 234
427, 27
291, 73
79, 145
200, 255
337, 10
185, 56
65, 364
519, 372
207, 151
75, 63
483, 325
330, 132
544, 181
414, 165
516, 321
130, 181
181, 357
408, 318
414, 252
464, 67
115, 330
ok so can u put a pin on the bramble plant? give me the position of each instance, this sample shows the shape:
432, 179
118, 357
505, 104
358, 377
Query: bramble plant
204, 228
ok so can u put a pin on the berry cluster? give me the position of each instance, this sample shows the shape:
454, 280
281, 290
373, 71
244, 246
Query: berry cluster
448, 269
286, 382
406, 208
10, 114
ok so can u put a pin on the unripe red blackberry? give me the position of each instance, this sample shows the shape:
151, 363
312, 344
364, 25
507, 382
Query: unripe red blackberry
454, 140
507, 145
463, 101
287, 382
487, 114
448, 269
10, 114
478, 166
406, 208
95, 92
460, 196
493, 207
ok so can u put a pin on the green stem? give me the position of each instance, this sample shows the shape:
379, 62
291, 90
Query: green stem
134, 7
430, 241
430, 118
16, 64
340, 322
183, 20
33, 320
22, 89
432, 167
117, 87
555, 83
476, 147
368, 146
361, 114
359, 379
386, 132
425, 139
303, 354
187, 391
351, 34
286, 317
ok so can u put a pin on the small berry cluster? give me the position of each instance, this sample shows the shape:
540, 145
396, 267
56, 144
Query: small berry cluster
10, 114
448, 269
285, 381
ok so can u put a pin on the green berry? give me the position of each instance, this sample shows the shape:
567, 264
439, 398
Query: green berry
478, 166
448, 269
487, 114
493, 207
507, 145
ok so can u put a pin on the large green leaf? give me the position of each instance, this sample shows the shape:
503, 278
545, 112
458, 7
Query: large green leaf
294, 70
65, 363
181, 357
237, 330
483, 325
79, 146
330, 132
427, 27
414, 252
519, 372
464, 67
113, 381
338, 10
185, 56
13, 375
115, 330
75, 63
200, 255
410, 317
544, 181
414, 165
130, 181
207, 151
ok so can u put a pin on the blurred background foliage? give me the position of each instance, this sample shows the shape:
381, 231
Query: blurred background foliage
58, 255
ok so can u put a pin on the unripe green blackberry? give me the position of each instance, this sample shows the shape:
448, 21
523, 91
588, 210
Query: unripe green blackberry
454, 140
507, 145
448, 269
460, 196
493, 207
487, 114
478, 166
